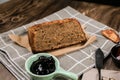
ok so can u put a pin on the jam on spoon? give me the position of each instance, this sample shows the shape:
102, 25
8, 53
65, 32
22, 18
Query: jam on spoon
43, 65
111, 34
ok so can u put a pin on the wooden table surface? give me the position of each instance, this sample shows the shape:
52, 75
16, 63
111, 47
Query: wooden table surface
16, 13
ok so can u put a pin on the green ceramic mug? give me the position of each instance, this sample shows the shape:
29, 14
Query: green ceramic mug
58, 70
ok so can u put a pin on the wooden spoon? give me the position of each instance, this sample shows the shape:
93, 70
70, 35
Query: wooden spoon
111, 34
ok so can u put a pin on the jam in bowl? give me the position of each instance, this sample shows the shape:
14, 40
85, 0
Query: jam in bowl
115, 54
45, 66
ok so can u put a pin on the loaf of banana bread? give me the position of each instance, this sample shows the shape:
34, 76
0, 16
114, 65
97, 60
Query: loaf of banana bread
55, 34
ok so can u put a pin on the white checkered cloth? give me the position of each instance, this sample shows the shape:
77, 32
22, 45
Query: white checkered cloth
14, 56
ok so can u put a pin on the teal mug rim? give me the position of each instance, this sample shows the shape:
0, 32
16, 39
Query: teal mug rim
41, 54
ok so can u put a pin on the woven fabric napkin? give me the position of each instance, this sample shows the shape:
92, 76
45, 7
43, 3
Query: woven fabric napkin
13, 67
14, 56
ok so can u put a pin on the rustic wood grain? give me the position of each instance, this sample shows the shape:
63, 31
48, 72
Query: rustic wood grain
107, 14
16, 13
5, 74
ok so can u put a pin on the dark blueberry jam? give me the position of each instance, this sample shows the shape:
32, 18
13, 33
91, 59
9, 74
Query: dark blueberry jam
44, 65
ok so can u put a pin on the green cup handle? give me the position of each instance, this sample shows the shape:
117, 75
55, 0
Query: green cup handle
66, 74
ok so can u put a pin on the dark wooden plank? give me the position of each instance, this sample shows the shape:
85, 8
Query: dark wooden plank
5, 74
16, 13
106, 14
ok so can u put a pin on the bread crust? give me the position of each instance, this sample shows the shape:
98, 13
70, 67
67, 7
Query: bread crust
55, 34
